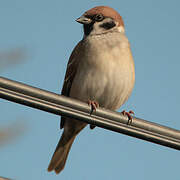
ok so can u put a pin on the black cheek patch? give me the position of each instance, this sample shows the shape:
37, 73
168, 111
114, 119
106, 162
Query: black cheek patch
108, 25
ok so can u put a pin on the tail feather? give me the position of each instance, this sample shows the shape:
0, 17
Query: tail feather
61, 165
61, 153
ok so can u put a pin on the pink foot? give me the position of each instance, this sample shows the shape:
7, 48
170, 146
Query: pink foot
129, 115
93, 105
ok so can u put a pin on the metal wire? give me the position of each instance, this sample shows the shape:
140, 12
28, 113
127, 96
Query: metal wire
61, 105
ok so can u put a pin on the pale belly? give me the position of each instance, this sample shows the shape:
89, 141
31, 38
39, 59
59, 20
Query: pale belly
109, 83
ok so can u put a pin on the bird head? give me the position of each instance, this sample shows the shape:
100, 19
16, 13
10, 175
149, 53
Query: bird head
100, 20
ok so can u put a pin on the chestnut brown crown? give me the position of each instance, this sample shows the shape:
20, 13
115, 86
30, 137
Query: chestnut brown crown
106, 11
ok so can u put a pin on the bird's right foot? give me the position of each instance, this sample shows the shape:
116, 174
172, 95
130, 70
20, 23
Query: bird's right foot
94, 105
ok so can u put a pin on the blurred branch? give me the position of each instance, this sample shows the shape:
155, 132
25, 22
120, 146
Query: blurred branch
111, 120
12, 57
3, 178
11, 132
9, 58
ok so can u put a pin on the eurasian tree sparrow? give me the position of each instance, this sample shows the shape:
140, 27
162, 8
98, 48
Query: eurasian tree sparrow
100, 69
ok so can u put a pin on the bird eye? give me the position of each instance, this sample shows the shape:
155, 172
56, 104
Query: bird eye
99, 17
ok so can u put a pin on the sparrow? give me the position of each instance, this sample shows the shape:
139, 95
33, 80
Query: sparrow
100, 71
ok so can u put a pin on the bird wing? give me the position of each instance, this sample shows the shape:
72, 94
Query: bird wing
70, 74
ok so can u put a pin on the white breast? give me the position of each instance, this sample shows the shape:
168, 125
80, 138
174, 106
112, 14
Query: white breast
106, 71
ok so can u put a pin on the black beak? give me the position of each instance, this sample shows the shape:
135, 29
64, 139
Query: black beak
84, 20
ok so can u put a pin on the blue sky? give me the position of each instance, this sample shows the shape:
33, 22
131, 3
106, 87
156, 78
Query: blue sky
47, 31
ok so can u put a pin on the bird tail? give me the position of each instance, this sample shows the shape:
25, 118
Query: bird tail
61, 153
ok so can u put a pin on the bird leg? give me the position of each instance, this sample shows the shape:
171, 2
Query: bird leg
93, 105
129, 115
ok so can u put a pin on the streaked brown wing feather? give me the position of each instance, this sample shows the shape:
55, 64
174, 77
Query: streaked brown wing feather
70, 74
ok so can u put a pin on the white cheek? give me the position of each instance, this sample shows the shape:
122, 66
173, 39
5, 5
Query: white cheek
121, 29
97, 29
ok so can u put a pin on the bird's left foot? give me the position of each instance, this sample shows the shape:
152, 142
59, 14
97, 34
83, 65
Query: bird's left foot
129, 115
94, 105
